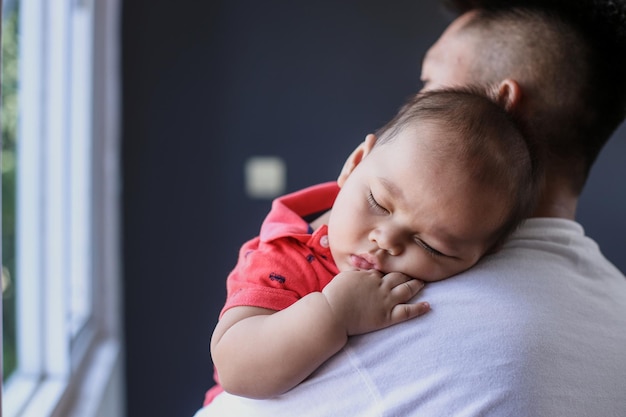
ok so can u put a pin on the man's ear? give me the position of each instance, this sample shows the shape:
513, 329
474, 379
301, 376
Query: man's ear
355, 158
509, 94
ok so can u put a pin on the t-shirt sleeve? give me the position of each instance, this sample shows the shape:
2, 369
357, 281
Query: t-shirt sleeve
271, 275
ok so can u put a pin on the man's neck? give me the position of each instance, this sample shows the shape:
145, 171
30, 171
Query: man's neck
557, 201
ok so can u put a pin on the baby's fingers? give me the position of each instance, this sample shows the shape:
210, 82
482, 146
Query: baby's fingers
403, 312
403, 288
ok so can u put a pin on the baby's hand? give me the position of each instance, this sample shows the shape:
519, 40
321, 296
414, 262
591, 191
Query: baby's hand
364, 301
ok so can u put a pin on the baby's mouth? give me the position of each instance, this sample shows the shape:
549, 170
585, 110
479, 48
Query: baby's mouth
361, 262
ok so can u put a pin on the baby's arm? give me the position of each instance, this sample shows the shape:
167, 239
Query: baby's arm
261, 353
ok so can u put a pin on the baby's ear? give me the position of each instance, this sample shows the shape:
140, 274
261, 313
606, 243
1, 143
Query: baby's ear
356, 157
509, 94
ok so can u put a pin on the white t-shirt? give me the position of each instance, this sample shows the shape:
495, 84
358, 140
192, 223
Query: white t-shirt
537, 329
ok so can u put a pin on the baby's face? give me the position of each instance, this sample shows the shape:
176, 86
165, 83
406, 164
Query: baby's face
402, 209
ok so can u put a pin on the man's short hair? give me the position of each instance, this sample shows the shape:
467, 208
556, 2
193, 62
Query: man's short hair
574, 51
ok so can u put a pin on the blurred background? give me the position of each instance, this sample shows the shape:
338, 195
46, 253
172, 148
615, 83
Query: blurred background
208, 85
222, 105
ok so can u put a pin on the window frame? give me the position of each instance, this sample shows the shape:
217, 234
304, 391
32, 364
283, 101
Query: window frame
68, 212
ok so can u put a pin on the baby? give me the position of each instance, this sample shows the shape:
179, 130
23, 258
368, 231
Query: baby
440, 186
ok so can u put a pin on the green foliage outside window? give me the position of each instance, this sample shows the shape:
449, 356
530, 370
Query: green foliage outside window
9, 133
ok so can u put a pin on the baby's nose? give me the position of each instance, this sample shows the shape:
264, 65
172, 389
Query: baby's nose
388, 241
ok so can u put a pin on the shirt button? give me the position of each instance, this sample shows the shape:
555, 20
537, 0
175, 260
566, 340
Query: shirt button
324, 241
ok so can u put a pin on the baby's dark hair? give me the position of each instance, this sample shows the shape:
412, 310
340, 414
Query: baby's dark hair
485, 141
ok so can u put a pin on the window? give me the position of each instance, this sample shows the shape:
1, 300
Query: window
63, 273
9, 131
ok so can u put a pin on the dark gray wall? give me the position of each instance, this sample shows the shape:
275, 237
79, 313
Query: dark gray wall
208, 84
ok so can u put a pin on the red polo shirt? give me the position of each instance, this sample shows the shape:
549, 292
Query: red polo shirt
285, 262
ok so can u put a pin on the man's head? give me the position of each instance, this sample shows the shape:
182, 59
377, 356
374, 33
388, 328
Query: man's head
559, 65
444, 183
